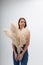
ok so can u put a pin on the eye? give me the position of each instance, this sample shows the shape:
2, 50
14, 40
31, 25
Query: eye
22, 21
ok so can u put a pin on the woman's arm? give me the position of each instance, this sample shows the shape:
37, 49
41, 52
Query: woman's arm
20, 56
13, 48
27, 43
15, 54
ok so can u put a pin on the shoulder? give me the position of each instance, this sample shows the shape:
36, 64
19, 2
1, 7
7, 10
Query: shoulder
27, 31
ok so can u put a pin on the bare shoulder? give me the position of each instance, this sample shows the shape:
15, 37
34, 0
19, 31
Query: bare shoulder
27, 34
27, 31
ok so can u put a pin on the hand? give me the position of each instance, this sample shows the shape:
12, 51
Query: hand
20, 56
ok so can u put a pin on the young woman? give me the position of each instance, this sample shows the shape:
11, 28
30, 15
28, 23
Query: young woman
23, 56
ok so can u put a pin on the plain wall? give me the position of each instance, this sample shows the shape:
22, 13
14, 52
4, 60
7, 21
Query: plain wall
32, 11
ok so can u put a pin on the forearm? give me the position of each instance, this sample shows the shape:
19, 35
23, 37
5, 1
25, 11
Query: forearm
27, 43
13, 49
25, 48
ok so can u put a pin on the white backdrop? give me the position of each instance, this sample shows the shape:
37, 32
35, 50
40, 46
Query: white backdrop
32, 10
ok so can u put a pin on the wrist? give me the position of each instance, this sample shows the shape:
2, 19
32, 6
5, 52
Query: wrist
23, 52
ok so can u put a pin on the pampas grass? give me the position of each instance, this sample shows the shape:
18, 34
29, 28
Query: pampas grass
18, 36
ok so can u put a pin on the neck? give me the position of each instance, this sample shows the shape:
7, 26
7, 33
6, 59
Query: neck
21, 28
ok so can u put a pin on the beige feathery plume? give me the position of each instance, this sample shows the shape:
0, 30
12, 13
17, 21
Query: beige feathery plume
18, 36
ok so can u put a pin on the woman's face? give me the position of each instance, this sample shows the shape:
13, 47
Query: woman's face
22, 23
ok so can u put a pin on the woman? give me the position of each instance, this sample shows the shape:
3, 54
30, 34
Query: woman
23, 56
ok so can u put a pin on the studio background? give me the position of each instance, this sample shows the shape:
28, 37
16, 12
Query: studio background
32, 11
